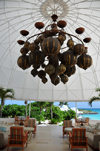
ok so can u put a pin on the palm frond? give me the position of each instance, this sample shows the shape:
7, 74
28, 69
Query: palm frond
98, 89
63, 103
93, 99
9, 96
9, 91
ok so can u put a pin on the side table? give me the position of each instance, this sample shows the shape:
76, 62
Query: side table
68, 129
29, 130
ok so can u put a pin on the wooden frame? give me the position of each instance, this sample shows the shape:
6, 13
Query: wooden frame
78, 139
66, 124
17, 137
31, 123
81, 122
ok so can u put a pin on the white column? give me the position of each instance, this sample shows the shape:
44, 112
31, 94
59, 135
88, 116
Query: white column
30, 109
26, 110
76, 108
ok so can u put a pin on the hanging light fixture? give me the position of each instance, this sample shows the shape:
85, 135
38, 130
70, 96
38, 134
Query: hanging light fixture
54, 52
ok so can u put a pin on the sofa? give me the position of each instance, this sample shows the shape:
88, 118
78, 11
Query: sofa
93, 134
3, 139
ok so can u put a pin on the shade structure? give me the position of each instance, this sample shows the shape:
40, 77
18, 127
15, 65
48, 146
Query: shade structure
17, 15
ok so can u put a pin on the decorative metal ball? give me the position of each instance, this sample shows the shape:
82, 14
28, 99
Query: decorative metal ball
32, 46
54, 31
26, 44
20, 42
24, 32
61, 38
84, 61
23, 62
70, 43
60, 69
50, 46
39, 25
68, 59
54, 17
24, 51
50, 69
79, 49
80, 30
54, 25
61, 23
34, 72
44, 80
41, 74
55, 80
70, 71
87, 40
36, 58
64, 78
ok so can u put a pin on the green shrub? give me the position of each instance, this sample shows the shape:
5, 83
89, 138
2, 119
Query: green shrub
54, 121
68, 115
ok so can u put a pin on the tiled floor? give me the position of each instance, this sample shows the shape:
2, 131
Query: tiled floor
48, 138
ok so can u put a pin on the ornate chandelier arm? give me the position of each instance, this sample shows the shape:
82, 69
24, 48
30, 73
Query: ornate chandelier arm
34, 36
70, 35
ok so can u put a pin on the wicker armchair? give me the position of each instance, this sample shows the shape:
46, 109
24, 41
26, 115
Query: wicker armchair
78, 139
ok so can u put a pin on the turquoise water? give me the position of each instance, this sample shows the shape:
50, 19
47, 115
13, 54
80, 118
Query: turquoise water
93, 116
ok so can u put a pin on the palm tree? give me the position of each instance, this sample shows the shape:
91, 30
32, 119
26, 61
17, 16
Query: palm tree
63, 103
50, 105
5, 93
95, 97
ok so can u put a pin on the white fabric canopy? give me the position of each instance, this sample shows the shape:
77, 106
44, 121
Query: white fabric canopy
16, 15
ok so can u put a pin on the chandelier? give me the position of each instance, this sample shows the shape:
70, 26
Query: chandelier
54, 52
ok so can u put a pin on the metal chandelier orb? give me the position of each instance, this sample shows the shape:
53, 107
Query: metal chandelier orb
54, 52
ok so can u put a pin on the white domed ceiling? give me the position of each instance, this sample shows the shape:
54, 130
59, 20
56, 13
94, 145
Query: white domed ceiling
16, 15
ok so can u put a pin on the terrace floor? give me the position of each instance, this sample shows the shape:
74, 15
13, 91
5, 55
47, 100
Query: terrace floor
48, 138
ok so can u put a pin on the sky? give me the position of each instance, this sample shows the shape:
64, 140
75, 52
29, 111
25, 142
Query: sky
95, 104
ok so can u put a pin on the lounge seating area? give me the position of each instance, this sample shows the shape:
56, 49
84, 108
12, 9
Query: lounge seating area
16, 133
48, 138
92, 133
51, 137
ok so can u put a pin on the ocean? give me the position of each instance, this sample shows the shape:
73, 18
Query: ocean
92, 116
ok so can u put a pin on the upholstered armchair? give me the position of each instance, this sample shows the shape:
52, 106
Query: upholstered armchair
17, 137
31, 123
78, 139
67, 126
